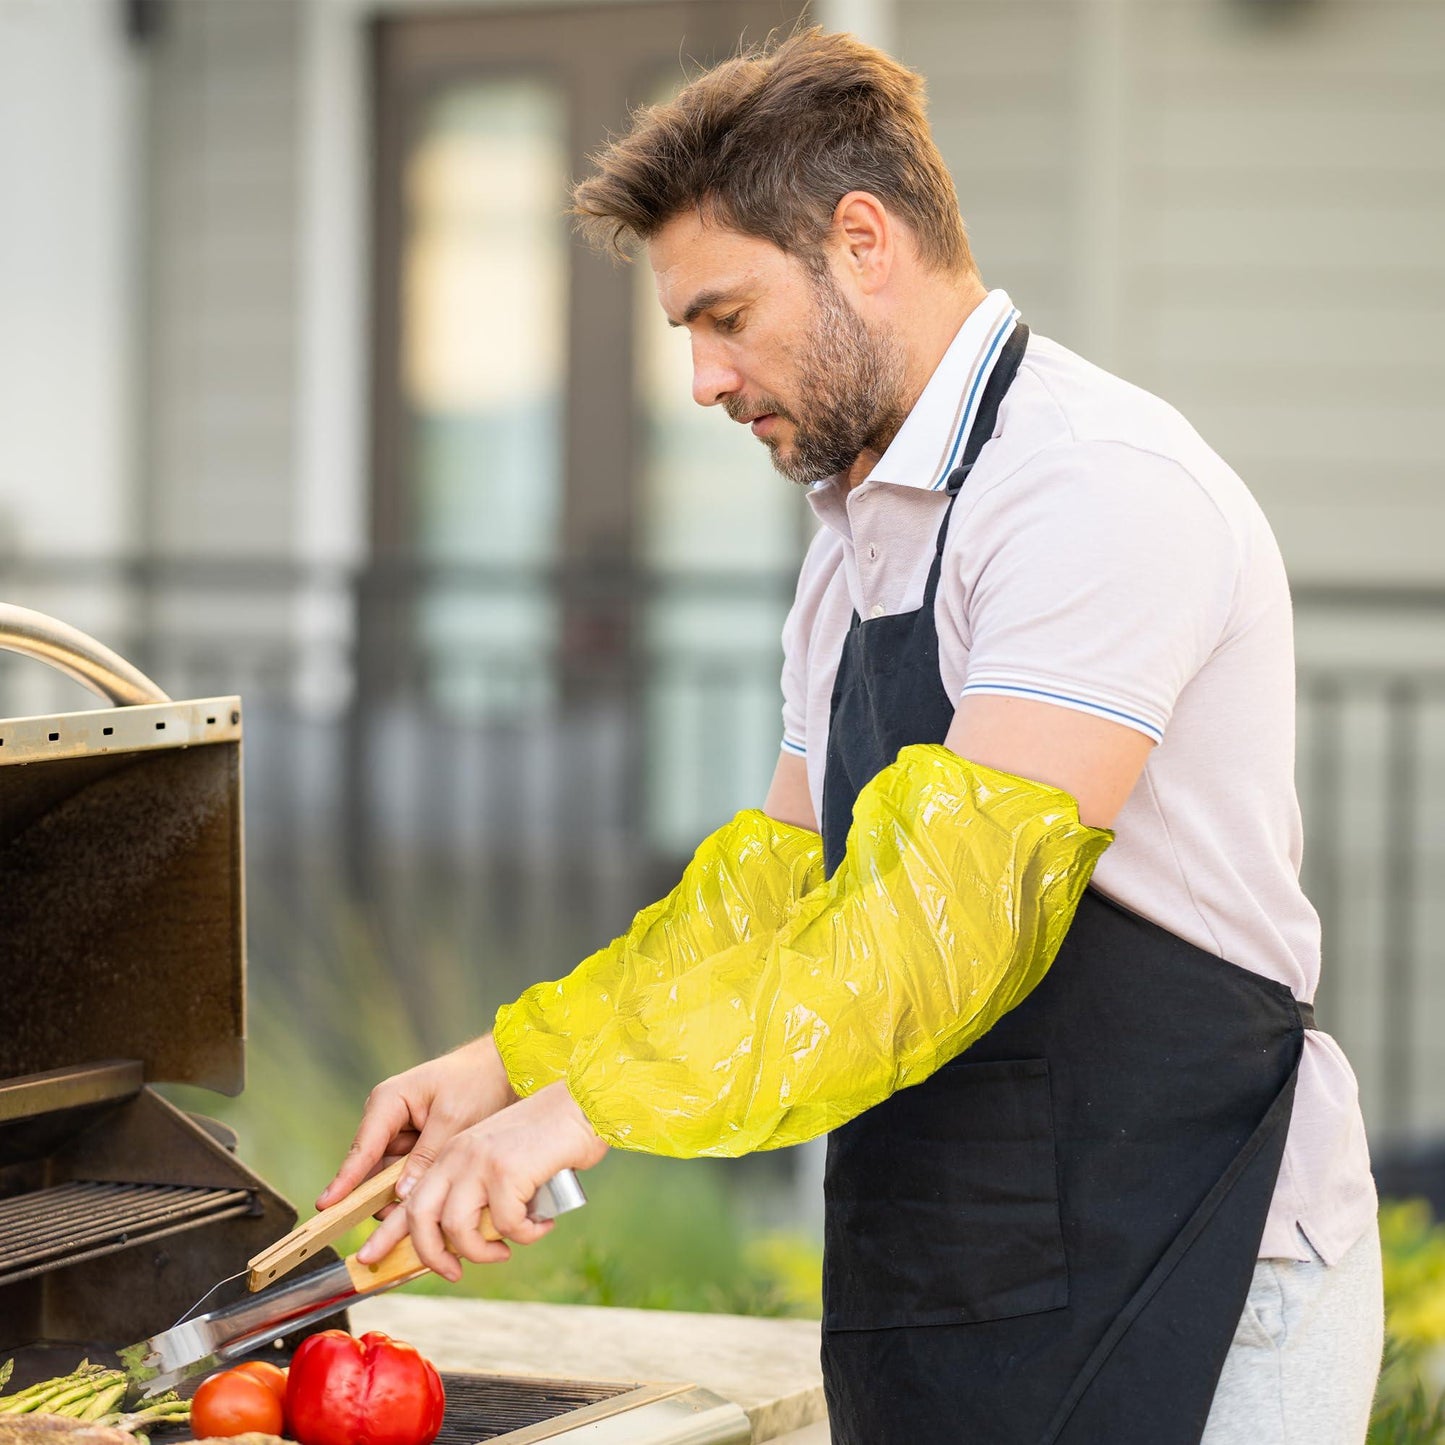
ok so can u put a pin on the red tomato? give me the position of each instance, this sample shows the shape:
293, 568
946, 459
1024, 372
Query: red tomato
371, 1391
272, 1376
235, 1402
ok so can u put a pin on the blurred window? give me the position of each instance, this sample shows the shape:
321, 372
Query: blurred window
483, 328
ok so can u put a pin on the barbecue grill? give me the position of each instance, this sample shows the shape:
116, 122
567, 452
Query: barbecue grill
122, 965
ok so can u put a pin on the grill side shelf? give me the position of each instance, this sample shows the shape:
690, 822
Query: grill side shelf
49, 1229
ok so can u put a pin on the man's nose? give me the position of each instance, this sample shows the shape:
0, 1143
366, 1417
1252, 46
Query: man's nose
713, 377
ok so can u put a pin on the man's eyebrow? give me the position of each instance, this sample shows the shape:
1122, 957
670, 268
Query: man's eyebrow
703, 301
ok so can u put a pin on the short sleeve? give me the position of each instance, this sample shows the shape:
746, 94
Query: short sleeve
796, 629
819, 566
1098, 577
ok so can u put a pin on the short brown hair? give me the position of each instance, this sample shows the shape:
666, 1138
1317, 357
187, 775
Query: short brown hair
769, 141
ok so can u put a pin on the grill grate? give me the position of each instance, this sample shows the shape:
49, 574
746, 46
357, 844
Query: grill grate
481, 1407
51, 1228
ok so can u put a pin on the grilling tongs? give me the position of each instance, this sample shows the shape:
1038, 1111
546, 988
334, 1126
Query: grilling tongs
207, 1341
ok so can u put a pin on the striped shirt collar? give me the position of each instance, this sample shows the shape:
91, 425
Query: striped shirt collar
931, 440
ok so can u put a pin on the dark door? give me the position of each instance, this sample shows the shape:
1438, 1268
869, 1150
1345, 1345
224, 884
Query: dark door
512, 412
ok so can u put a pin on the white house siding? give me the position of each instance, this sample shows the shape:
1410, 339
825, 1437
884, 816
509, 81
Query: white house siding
1289, 265
69, 104
67, 157
223, 237
1001, 82
1258, 192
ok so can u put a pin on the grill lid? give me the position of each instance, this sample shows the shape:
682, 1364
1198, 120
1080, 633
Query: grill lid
122, 932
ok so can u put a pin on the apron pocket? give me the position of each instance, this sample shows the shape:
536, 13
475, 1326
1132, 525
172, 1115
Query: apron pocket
943, 1203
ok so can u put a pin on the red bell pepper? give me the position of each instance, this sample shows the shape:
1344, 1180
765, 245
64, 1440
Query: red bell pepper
371, 1391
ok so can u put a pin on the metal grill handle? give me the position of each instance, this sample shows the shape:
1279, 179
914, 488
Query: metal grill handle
76, 654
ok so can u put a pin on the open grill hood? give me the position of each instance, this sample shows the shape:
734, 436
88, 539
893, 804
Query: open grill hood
122, 931
122, 902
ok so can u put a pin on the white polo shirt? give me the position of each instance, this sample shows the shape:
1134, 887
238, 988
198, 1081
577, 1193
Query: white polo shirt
1102, 558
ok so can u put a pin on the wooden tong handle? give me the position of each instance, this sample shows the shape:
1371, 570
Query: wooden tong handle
400, 1264
363, 1201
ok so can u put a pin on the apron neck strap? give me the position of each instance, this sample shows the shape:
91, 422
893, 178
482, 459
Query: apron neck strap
999, 381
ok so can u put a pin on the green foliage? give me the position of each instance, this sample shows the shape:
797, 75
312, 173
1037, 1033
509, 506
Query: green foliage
656, 1233
1414, 1260
1409, 1408
1405, 1412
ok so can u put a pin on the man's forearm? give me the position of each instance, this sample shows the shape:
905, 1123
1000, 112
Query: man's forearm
489, 1062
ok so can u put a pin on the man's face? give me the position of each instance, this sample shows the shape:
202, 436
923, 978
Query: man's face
778, 345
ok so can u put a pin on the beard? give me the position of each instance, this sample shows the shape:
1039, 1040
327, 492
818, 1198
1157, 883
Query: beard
849, 392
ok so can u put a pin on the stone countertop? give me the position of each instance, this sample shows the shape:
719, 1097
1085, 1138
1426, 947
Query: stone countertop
769, 1367
814, 1434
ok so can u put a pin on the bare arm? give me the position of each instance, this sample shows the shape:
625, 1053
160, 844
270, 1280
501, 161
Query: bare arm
788, 798
1095, 760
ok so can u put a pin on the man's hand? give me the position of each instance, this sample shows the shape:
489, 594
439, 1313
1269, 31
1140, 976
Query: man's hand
499, 1163
417, 1112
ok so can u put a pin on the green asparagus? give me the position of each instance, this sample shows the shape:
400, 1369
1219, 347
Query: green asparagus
96, 1395
105, 1401
25, 1401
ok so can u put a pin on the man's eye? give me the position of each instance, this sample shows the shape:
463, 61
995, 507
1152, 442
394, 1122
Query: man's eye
730, 322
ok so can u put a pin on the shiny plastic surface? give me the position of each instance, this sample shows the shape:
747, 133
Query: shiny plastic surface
743, 881
956, 890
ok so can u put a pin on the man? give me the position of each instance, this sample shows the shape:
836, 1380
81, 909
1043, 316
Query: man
1121, 1198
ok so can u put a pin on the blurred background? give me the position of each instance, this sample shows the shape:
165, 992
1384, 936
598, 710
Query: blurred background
307, 393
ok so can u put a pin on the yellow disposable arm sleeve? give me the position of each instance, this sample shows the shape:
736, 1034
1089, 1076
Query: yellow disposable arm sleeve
743, 881
956, 890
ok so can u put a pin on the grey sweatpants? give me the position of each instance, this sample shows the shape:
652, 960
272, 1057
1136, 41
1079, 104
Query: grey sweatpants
1303, 1364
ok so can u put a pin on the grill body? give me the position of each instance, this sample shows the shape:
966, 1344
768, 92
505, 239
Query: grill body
122, 965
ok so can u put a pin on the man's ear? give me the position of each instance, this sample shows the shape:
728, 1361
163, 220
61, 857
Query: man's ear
865, 238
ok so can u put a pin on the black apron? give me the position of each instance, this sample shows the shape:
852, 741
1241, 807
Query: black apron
1050, 1240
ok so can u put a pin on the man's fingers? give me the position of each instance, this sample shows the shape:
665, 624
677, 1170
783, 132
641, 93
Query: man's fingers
355, 1170
461, 1225
510, 1219
438, 1132
384, 1238
398, 1149
423, 1212
387, 1115
529, 1231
